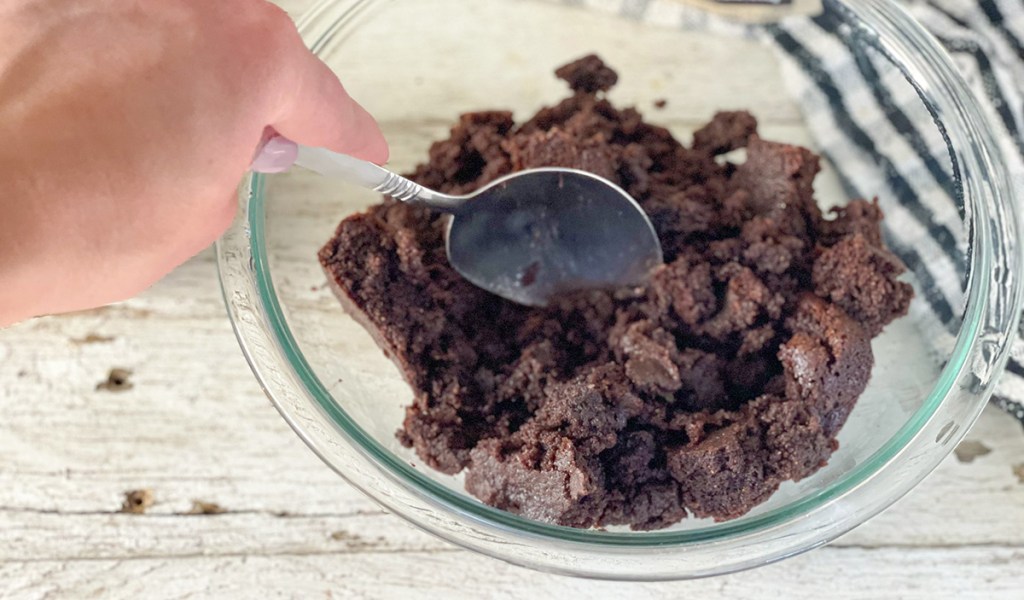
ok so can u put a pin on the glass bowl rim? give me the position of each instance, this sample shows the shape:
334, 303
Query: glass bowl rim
400, 472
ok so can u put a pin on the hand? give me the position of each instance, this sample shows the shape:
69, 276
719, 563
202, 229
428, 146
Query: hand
125, 126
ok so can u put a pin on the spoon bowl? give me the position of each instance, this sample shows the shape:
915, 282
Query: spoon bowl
526, 237
543, 232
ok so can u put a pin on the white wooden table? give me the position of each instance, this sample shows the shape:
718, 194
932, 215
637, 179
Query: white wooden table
189, 423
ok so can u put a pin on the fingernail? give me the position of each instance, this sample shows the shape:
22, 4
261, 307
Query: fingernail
276, 156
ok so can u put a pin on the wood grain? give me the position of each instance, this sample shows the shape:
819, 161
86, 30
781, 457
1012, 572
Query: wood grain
194, 425
845, 574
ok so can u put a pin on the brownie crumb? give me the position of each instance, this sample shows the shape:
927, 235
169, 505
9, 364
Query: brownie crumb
726, 132
92, 338
860, 278
117, 381
660, 103
696, 395
968, 450
200, 507
137, 502
588, 75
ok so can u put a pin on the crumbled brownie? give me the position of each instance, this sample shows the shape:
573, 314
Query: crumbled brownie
560, 148
730, 372
588, 74
861, 279
726, 132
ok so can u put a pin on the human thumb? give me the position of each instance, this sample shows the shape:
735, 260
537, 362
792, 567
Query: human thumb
320, 112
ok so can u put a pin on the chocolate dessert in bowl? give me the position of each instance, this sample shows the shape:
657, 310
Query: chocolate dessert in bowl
809, 350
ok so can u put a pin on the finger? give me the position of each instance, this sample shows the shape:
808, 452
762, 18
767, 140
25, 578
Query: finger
321, 113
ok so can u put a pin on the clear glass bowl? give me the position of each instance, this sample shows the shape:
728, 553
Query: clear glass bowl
417, 64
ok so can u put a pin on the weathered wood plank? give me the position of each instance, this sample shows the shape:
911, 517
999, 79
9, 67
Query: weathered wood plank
847, 574
196, 426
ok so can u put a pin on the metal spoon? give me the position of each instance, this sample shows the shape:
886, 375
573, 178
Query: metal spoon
526, 237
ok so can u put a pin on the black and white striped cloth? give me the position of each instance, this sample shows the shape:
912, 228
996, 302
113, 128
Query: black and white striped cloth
861, 113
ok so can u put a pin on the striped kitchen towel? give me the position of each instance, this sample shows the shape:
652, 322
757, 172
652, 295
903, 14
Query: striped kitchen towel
861, 114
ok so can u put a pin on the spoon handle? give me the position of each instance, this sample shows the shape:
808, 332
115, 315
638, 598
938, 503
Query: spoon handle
359, 172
